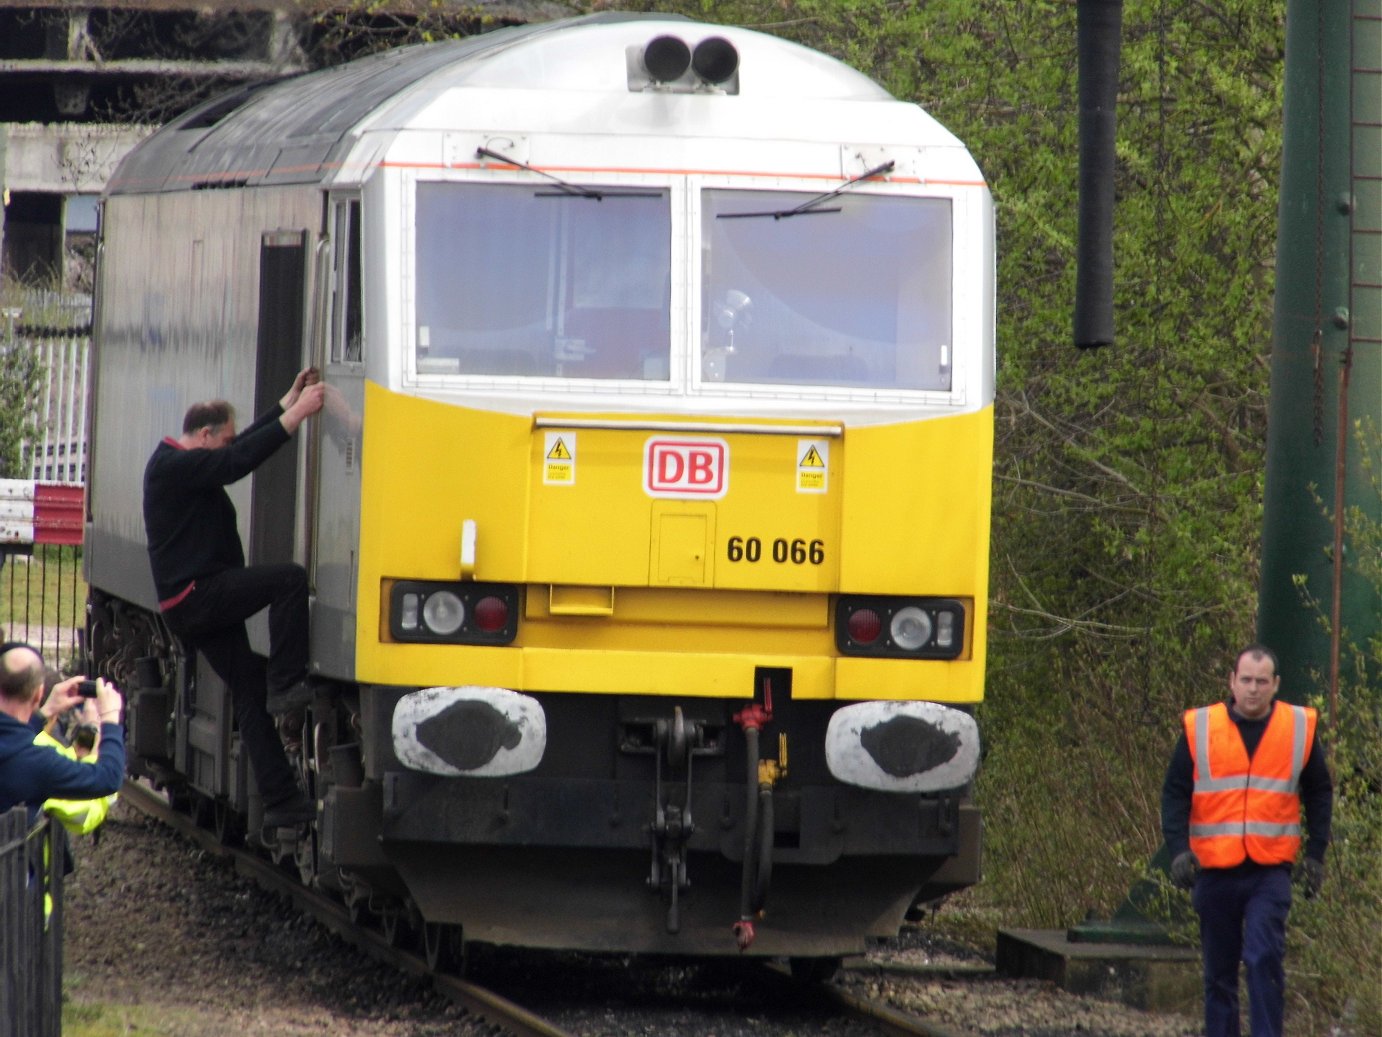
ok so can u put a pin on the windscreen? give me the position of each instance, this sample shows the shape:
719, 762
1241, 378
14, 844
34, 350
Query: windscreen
531, 281
839, 290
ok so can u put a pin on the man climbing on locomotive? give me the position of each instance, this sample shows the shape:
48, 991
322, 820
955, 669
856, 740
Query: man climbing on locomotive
207, 592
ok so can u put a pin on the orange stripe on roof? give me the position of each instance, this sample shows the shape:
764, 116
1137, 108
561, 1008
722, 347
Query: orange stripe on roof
829, 177
326, 167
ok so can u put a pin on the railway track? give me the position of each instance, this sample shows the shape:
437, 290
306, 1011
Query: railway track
494, 1008
889, 1020
479, 1001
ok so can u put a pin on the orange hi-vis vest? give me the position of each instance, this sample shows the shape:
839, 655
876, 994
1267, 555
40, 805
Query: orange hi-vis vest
1243, 808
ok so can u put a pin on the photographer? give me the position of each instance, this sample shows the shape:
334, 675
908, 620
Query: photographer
31, 773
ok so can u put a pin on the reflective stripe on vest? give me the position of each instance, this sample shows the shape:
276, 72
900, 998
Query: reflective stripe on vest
1245, 808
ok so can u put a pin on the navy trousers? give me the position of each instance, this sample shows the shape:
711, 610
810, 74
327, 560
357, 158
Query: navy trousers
1243, 919
212, 618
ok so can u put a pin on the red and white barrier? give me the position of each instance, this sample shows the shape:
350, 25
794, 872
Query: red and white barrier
40, 513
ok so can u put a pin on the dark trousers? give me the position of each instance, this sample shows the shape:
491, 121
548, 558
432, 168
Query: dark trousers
212, 618
1243, 919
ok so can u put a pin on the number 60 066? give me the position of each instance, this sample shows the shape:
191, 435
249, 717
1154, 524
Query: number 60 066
798, 551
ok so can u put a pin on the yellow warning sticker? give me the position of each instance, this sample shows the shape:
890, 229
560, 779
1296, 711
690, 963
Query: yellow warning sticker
559, 459
813, 465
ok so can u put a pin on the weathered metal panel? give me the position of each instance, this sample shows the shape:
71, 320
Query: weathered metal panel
293, 130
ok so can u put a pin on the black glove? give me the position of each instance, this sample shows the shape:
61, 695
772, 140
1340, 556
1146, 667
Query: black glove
1310, 874
1185, 869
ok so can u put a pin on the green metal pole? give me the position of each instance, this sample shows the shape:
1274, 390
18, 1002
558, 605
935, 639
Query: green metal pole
1326, 370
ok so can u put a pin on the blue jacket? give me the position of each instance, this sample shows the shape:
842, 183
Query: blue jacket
31, 773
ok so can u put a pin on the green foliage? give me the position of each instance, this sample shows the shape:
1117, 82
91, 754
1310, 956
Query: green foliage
21, 374
343, 32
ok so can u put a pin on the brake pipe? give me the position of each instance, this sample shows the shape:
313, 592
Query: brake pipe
752, 718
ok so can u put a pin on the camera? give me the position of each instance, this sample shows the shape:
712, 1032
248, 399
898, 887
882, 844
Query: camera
86, 689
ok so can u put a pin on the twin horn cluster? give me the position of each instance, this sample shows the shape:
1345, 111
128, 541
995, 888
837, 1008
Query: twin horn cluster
666, 59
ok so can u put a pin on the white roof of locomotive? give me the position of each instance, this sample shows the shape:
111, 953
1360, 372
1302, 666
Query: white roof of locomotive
567, 77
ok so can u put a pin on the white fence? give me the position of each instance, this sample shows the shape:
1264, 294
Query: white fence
57, 454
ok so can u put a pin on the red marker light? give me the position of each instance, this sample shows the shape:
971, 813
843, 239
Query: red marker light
864, 626
491, 614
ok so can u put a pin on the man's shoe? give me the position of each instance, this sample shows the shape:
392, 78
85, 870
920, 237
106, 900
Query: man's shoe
297, 809
294, 696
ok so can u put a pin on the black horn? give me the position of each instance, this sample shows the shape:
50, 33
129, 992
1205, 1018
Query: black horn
715, 60
666, 58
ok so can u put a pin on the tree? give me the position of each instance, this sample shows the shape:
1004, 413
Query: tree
19, 386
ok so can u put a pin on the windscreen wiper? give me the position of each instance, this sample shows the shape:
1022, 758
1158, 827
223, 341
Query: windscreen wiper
565, 188
811, 206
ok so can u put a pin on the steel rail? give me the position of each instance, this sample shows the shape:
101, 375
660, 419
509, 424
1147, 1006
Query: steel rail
927, 971
477, 1000
892, 1021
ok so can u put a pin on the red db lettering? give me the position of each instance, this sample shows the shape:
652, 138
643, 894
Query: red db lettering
670, 467
702, 471
685, 468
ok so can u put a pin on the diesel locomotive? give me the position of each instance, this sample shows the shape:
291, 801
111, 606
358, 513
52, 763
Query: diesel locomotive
647, 521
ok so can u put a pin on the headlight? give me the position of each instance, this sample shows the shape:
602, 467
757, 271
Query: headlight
453, 613
443, 613
910, 628
900, 628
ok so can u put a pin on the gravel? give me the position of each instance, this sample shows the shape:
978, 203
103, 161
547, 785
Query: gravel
159, 930
152, 921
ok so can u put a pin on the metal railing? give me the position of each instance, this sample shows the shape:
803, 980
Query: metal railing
43, 601
31, 867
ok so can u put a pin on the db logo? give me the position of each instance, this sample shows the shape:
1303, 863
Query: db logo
690, 469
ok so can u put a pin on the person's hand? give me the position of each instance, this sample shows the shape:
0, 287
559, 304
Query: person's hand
307, 376
1185, 869
109, 702
309, 401
1310, 873
63, 697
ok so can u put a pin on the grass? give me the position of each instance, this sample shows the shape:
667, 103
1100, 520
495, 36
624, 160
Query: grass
43, 598
106, 1020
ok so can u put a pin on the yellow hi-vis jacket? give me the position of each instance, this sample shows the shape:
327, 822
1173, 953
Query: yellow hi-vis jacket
78, 816
1242, 809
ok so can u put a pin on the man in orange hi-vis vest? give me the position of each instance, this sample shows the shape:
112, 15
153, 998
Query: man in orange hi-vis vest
1231, 817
